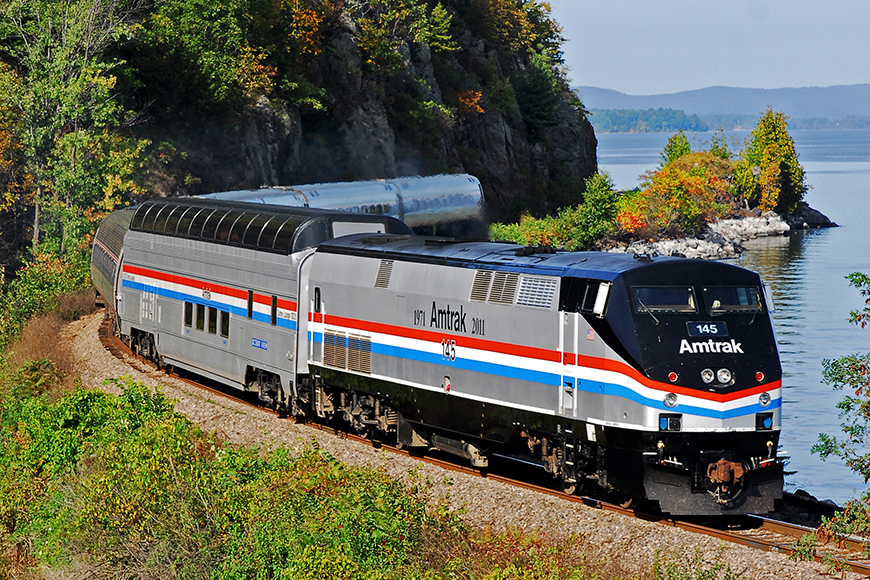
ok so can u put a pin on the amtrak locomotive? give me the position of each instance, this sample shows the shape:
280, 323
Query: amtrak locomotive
655, 377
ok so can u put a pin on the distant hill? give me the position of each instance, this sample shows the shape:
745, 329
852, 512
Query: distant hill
646, 121
836, 102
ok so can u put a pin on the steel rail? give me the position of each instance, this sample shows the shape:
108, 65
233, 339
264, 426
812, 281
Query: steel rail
767, 534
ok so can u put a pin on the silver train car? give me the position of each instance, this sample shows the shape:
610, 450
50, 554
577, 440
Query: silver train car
417, 201
657, 378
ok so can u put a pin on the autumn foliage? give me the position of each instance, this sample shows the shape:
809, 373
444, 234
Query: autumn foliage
680, 198
768, 171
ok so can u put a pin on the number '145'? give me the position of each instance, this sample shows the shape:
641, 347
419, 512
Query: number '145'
448, 349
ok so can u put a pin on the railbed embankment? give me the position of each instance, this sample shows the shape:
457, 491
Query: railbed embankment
624, 546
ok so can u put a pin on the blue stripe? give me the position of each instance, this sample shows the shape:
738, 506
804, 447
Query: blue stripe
549, 379
182, 297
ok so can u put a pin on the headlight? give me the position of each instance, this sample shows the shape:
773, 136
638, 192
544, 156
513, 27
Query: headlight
707, 376
724, 376
764, 399
670, 400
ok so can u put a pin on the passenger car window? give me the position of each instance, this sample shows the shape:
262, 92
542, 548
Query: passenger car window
225, 324
200, 316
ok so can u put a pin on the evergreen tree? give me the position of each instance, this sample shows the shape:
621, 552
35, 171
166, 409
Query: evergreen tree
537, 90
677, 146
768, 172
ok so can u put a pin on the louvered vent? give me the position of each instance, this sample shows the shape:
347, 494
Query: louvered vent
359, 354
335, 349
480, 287
504, 287
537, 292
384, 272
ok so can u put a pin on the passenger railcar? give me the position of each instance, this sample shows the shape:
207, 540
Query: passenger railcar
655, 377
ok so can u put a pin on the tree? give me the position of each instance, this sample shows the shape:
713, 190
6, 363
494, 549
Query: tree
537, 91
387, 24
676, 147
575, 228
63, 89
851, 373
768, 172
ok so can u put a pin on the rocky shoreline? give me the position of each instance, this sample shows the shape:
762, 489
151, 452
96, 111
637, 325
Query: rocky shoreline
724, 239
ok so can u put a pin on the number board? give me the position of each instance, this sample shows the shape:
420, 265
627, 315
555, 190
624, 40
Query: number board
707, 329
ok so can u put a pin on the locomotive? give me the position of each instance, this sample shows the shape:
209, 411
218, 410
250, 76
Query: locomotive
654, 377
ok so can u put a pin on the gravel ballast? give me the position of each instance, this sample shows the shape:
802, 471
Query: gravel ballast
628, 546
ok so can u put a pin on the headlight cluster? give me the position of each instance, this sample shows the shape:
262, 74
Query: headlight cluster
723, 376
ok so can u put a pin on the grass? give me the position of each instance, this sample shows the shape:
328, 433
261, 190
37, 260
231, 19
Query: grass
125, 487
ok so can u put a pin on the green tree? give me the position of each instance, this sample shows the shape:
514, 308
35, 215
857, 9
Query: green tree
61, 85
719, 145
537, 91
852, 374
387, 24
677, 146
768, 172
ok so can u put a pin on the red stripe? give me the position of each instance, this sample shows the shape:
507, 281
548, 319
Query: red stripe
200, 285
543, 355
432, 336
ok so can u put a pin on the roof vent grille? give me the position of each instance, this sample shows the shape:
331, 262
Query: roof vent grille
538, 292
480, 287
504, 287
385, 271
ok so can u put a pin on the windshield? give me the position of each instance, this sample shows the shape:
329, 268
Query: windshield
664, 299
732, 299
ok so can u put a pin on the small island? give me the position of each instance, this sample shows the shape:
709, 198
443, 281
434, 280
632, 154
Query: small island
699, 204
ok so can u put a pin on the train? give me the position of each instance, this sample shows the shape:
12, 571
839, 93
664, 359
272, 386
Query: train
436, 204
653, 378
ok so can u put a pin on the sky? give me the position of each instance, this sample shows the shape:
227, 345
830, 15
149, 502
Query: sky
646, 47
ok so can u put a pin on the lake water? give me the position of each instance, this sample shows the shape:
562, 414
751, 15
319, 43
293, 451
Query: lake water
806, 273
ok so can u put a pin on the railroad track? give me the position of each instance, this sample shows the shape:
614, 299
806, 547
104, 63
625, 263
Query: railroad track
758, 532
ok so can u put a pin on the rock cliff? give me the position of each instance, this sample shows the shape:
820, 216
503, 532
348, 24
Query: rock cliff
442, 112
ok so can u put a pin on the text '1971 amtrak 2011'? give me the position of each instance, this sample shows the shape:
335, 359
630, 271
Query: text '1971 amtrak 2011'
655, 377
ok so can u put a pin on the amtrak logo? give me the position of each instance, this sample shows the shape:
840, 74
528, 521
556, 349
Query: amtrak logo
705, 346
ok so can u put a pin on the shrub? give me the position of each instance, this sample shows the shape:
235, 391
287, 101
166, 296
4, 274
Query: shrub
679, 198
692, 567
41, 282
573, 228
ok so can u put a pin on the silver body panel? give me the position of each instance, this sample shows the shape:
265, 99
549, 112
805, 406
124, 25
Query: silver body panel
417, 201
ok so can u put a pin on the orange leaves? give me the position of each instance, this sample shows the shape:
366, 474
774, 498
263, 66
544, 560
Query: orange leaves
678, 198
468, 103
304, 25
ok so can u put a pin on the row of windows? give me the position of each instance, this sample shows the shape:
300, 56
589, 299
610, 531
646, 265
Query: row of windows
253, 229
207, 318
274, 307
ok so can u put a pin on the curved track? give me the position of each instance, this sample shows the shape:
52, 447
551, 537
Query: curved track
757, 532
